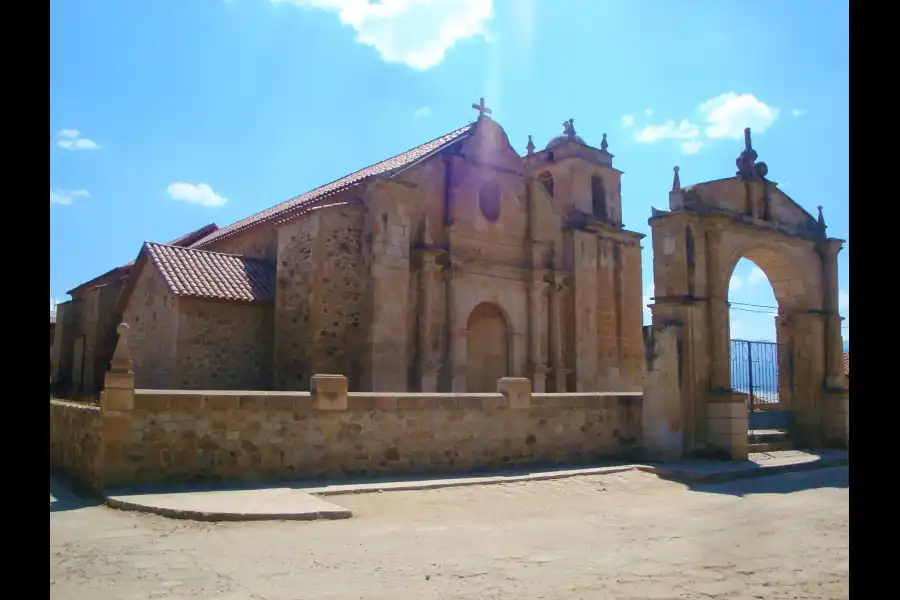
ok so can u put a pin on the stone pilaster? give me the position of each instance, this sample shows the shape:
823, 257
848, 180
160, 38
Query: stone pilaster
607, 314
431, 317
387, 222
834, 364
717, 291
557, 333
837, 418
538, 302
808, 347
585, 311
456, 358
630, 356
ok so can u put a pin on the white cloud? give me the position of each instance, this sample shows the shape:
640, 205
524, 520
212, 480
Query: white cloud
724, 116
797, 112
417, 33
649, 112
843, 302
64, 197
201, 194
627, 121
735, 284
728, 114
422, 112
72, 140
685, 130
691, 146
756, 276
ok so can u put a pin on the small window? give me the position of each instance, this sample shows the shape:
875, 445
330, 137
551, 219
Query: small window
598, 197
546, 180
489, 201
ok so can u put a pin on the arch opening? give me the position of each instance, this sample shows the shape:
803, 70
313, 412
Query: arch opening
763, 287
598, 198
546, 180
487, 345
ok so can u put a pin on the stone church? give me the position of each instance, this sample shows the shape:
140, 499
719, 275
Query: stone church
443, 268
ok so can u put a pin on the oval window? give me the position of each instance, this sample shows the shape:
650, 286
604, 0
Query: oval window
489, 201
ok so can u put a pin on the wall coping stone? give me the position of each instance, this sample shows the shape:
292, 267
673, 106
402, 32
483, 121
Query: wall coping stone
78, 405
161, 400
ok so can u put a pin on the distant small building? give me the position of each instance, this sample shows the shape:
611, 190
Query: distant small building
52, 334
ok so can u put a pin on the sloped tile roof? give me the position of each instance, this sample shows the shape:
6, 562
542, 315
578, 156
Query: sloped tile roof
211, 275
123, 270
847, 364
384, 168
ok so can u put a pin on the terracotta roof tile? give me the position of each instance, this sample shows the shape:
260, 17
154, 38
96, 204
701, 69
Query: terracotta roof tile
185, 240
847, 364
201, 274
298, 203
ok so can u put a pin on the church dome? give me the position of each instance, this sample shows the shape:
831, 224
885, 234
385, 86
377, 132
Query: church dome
562, 139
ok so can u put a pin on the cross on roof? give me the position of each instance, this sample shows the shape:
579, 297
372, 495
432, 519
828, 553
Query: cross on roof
481, 108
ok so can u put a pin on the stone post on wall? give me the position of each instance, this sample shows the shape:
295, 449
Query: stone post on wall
517, 390
329, 392
116, 402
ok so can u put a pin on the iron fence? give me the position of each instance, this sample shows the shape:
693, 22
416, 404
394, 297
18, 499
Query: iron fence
758, 370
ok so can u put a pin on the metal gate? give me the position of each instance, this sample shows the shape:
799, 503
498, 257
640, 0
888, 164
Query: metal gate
763, 372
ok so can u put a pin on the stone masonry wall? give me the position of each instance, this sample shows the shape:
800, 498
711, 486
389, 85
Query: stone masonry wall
154, 320
258, 242
319, 320
177, 436
75, 446
224, 345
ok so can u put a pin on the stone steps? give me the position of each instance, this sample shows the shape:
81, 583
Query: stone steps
769, 440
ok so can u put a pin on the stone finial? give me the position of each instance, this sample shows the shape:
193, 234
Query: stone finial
481, 108
821, 218
676, 180
748, 168
569, 128
530, 147
121, 360
604, 144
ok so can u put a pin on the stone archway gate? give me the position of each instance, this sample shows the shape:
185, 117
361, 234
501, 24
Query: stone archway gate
697, 243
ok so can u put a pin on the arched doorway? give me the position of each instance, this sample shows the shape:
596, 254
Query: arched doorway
760, 348
487, 340
697, 244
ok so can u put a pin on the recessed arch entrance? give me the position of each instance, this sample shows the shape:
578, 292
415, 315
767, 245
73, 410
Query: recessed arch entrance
487, 348
697, 244
761, 356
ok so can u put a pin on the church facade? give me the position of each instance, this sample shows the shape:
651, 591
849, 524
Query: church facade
441, 269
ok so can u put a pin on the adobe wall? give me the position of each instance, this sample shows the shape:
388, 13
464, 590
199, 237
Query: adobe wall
176, 436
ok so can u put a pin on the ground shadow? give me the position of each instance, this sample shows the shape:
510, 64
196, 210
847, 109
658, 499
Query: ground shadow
373, 481
63, 496
778, 483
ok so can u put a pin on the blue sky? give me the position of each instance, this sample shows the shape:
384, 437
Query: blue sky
171, 114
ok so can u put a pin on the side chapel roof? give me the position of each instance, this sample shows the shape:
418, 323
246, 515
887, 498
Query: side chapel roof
122, 270
193, 273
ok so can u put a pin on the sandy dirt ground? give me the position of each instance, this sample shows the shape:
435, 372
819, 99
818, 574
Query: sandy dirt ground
628, 535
